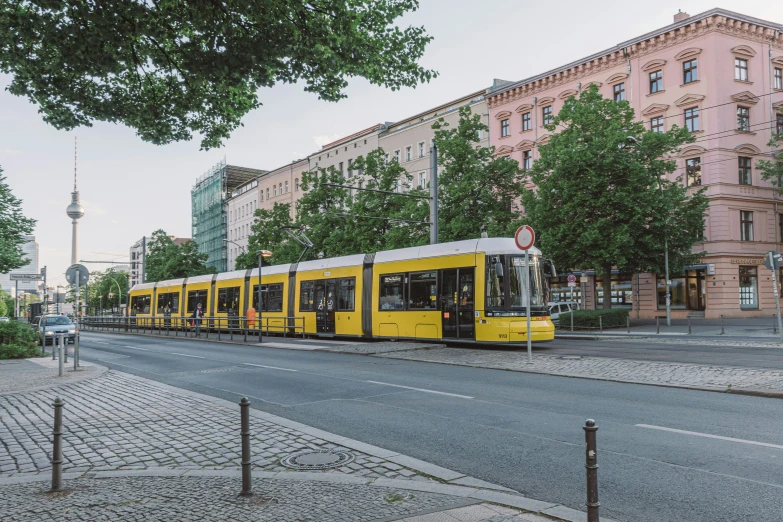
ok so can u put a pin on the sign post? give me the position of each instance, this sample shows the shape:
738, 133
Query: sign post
524, 238
571, 285
773, 260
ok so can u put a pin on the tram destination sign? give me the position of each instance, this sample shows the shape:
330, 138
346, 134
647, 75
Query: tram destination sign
26, 277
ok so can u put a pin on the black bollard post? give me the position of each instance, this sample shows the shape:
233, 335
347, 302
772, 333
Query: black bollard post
591, 465
689, 325
601, 323
628, 323
244, 406
657, 325
57, 450
721, 325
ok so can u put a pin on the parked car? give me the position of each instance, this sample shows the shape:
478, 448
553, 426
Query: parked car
51, 325
563, 307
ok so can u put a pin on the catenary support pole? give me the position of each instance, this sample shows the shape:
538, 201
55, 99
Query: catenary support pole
777, 294
244, 406
434, 194
57, 449
591, 465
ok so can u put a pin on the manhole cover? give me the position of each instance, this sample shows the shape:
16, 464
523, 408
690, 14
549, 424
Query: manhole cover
570, 357
317, 459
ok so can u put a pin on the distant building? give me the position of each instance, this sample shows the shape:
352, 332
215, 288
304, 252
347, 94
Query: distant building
137, 252
30, 249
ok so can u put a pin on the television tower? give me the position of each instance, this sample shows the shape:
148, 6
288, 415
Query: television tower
75, 211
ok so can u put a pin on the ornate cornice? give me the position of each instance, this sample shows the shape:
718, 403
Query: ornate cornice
616, 78
525, 107
744, 50
747, 148
525, 145
687, 54
546, 101
677, 35
778, 106
655, 108
503, 114
689, 99
745, 97
691, 150
653, 65
567, 94
505, 149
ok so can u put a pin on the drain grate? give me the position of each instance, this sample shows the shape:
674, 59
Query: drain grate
317, 459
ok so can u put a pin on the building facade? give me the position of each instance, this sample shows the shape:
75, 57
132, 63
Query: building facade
282, 185
719, 74
241, 206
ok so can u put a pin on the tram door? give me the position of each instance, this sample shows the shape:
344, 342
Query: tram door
456, 301
326, 299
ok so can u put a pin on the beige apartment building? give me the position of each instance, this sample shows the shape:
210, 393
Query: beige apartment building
282, 185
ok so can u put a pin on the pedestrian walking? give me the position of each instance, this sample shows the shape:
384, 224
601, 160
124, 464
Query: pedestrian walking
197, 314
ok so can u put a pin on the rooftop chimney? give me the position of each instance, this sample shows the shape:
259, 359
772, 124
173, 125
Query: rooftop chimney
680, 16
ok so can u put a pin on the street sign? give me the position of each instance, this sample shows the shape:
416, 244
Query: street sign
525, 237
572, 284
773, 260
77, 271
27, 277
571, 278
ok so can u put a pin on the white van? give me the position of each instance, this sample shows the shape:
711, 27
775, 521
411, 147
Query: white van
563, 307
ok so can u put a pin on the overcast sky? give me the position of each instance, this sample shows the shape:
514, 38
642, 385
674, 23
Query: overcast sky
130, 188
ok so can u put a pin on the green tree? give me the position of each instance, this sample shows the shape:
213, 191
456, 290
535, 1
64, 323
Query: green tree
267, 233
167, 260
3, 306
111, 281
171, 68
598, 202
13, 227
772, 171
476, 188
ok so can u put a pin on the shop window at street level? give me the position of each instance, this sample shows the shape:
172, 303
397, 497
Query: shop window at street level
504, 128
690, 71
693, 172
743, 119
656, 81
746, 225
677, 290
749, 288
741, 69
744, 171
621, 293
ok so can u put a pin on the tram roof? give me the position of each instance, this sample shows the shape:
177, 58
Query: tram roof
331, 262
494, 245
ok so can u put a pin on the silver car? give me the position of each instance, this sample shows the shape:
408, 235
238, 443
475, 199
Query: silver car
51, 325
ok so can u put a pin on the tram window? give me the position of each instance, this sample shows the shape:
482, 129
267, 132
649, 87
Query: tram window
392, 292
423, 294
194, 298
140, 304
495, 282
306, 290
228, 299
346, 296
272, 297
171, 300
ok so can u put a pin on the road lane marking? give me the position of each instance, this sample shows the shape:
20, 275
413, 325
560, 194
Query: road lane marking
421, 390
186, 355
271, 367
708, 436
97, 342
136, 348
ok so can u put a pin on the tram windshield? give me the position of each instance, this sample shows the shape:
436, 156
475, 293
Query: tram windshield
506, 283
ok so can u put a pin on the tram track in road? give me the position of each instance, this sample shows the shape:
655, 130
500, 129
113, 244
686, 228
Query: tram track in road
519, 430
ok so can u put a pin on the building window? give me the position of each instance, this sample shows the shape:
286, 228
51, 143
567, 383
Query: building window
693, 172
741, 69
275, 190
281, 189
656, 124
744, 171
526, 126
778, 83
690, 71
749, 287
195, 298
392, 295
228, 300
346, 297
504, 128
422, 179
423, 293
527, 160
341, 168
397, 156
479, 134
350, 167
779, 125
421, 148
408, 154
272, 297
656, 82
267, 193
743, 119
286, 187
547, 115
677, 291
746, 225
619, 92
296, 185
692, 119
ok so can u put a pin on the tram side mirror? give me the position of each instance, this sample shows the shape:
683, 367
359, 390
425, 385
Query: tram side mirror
498, 267
551, 268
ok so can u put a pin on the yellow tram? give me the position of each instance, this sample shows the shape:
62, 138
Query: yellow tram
469, 290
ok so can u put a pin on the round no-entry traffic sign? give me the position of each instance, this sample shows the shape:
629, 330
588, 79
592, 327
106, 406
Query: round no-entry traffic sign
571, 278
525, 237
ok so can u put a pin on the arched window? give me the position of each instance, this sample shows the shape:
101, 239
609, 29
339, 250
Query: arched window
274, 192
286, 187
296, 185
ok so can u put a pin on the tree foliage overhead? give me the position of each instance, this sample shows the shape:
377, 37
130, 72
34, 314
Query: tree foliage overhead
475, 188
169, 68
772, 170
167, 260
598, 202
14, 226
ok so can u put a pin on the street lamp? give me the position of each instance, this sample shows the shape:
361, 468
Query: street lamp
665, 246
261, 255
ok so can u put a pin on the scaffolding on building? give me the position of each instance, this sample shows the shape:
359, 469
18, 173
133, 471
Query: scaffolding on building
208, 206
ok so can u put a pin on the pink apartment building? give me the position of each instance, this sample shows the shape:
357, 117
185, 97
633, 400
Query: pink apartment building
719, 74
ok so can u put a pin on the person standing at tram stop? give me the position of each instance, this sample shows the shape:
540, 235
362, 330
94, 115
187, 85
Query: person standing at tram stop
197, 314
251, 318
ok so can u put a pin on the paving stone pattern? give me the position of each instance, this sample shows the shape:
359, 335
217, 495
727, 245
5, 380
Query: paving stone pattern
115, 422
213, 498
377, 347
673, 374
22, 374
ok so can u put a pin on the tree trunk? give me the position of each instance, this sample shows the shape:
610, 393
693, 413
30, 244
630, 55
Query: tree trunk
607, 286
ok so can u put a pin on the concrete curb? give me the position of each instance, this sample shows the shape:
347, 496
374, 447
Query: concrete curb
770, 341
478, 495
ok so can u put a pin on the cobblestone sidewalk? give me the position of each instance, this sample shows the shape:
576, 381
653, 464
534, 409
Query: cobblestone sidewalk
721, 378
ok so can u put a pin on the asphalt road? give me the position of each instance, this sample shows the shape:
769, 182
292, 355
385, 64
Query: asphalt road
523, 431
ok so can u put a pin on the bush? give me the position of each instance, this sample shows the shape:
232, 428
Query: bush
18, 340
588, 319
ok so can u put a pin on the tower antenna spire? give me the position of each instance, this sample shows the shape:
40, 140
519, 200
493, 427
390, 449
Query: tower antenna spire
74, 162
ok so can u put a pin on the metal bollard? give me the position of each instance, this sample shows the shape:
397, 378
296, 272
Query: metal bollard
721, 324
57, 450
64, 342
628, 323
571, 314
601, 323
61, 349
244, 407
591, 465
76, 352
54, 347
657, 325
689, 325
774, 324
245, 331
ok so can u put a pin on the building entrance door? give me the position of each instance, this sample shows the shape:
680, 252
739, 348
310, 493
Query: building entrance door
697, 287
